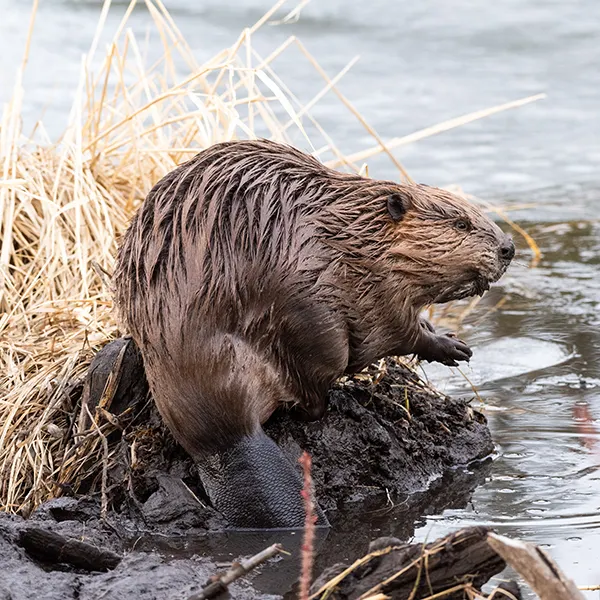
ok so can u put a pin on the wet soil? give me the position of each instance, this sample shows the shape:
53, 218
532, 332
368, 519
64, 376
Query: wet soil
138, 575
385, 437
62, 569
385, 433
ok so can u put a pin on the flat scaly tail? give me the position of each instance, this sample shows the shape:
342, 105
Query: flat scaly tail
253, 485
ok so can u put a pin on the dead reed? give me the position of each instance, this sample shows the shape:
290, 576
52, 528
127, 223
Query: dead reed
63, 205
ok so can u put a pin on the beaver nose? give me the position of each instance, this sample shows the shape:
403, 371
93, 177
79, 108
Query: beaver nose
507, 250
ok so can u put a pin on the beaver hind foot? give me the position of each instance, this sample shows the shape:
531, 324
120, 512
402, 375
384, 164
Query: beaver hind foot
252, 484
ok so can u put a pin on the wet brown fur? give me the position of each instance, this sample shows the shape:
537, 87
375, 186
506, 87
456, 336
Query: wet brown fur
253, 275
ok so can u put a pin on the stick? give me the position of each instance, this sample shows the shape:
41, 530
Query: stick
218, 584
537, 568
48, 546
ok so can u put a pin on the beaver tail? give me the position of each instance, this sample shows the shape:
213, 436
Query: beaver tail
252, 482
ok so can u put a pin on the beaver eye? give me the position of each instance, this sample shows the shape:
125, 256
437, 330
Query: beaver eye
462, 225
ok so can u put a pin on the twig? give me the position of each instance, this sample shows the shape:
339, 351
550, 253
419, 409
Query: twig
309, 527
218, 584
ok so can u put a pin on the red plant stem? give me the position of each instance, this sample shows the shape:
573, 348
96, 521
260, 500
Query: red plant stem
309, 527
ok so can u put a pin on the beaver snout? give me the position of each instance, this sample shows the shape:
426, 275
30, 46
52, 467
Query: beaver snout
507, 249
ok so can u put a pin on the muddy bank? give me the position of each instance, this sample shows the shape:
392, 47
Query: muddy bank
143, 576
385, 439
52, 559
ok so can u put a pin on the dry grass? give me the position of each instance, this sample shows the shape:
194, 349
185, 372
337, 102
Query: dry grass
64, 204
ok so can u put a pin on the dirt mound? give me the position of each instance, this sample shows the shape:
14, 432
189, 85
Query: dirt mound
386, 433
385, 437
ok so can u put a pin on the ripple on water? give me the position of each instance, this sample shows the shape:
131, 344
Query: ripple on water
497, 360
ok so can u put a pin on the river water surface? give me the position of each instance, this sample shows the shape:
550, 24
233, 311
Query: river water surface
537, 356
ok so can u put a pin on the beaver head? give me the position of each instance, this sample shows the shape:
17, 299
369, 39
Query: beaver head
443, 245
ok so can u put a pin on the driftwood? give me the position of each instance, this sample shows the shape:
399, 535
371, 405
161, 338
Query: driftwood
218, 583
50, 547
453, 564
537, 569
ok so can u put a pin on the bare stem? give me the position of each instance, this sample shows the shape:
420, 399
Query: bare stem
309, 527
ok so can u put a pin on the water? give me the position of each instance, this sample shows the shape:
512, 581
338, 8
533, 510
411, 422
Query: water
421, 63
542, 395
537, 358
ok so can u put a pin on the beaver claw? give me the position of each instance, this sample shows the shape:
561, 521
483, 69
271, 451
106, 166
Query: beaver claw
425, 324
446, 349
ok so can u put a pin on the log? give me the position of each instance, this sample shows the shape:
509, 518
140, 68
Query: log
460, 561
537, 568
50, 547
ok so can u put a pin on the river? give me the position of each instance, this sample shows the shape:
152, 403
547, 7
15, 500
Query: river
537, 357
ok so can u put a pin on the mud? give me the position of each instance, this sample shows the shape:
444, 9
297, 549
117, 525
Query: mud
464, 556
392, 438
380, 445
143, 576
385, 434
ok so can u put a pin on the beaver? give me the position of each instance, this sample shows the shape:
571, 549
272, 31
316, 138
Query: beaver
253, 276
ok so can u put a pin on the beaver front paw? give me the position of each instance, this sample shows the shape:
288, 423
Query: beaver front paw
446, 349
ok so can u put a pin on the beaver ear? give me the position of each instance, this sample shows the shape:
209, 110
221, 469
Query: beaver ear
397, 205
